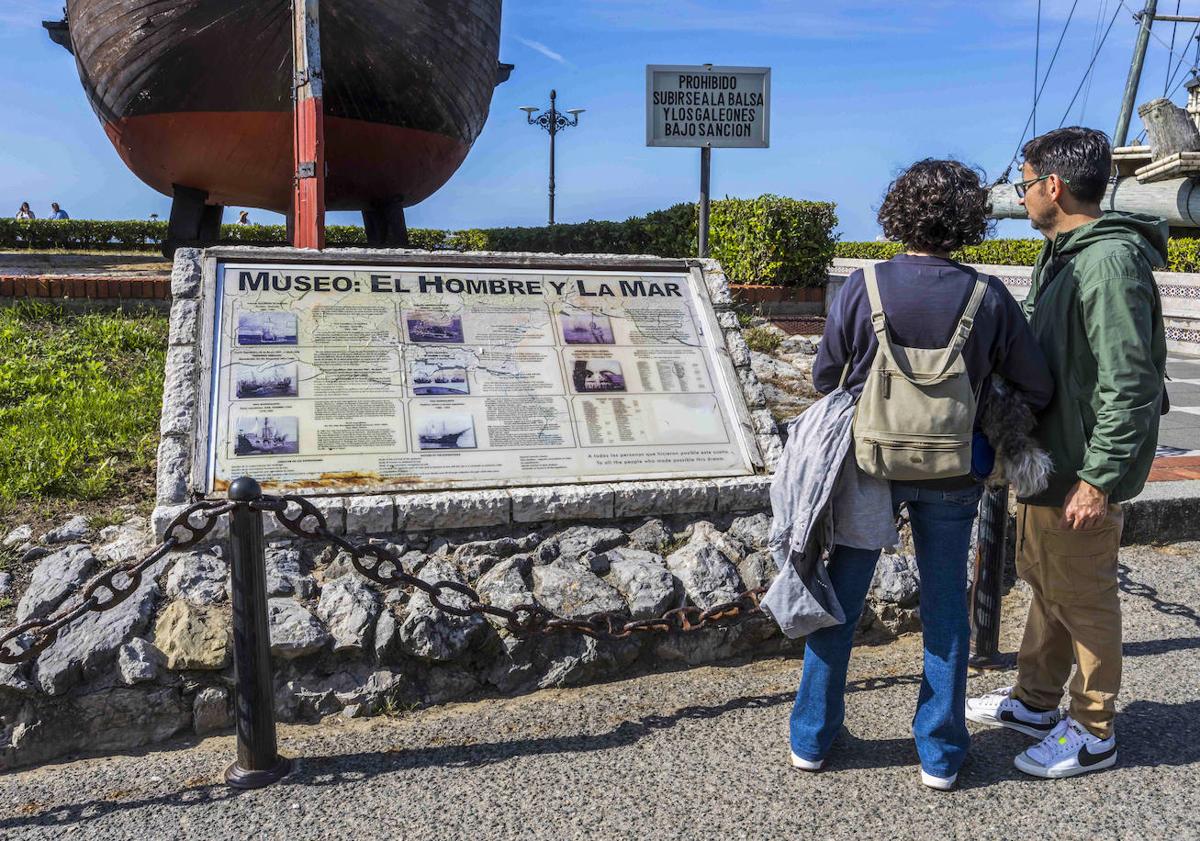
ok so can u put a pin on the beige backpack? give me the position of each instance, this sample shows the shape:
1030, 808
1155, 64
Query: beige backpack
916, 416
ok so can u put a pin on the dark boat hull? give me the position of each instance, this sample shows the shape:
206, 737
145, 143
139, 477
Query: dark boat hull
197, 93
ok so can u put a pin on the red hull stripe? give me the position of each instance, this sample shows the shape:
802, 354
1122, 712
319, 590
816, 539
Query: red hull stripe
245, 157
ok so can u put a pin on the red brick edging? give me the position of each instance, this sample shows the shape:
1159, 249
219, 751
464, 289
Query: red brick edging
92, 287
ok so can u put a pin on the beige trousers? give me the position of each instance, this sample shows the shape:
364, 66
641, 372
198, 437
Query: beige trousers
1075, 617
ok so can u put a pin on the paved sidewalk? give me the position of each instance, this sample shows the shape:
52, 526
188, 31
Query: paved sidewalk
687, 754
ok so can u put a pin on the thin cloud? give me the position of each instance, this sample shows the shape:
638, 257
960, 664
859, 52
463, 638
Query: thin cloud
539, 47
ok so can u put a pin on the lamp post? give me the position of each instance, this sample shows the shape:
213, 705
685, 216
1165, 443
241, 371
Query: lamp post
552, 121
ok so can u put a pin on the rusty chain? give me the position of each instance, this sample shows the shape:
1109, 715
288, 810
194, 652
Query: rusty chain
382, 566
375, 562
111, 587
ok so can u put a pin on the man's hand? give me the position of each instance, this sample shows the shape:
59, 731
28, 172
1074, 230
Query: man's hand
1085, 508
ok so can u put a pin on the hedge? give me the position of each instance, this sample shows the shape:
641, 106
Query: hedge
1183, 254
770, 239
773, 240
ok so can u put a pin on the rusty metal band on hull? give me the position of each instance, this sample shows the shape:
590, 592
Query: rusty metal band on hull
413, 78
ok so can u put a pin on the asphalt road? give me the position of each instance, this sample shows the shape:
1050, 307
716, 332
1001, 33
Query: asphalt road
685, 754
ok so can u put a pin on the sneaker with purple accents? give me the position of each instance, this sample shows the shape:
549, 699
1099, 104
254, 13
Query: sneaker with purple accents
1000, 708
1069, 750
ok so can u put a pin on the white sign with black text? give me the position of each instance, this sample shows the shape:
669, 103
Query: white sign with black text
706, 105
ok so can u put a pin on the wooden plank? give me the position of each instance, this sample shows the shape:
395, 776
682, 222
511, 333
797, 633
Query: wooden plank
1175, 166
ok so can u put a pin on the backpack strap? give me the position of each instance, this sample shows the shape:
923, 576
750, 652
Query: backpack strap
878, 320
968, 317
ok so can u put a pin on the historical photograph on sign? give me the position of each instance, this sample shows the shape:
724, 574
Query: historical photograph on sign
589, 375
266, 328
446, 432
433, 379
586, 328
426, 326
272, 379
267, 436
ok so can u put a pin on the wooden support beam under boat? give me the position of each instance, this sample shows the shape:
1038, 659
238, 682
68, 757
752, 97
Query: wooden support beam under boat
1177, 200
193, 222
308, 196
385, 224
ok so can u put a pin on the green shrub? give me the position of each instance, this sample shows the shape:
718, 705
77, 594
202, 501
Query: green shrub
1183, 253
773, 240
762, 340
999, 252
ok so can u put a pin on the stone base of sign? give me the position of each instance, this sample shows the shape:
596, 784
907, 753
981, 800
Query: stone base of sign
158, 666
409, 511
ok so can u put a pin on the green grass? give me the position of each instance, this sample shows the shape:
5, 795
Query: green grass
762, 340
80, 397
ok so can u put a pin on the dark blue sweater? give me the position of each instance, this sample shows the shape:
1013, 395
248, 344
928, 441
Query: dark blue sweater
923, 299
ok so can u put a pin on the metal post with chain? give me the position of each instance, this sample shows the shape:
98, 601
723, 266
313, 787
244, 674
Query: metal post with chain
258, 761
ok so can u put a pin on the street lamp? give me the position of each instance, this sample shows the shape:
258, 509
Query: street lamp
552, 121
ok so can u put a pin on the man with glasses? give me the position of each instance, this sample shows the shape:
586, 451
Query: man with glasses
1094, 308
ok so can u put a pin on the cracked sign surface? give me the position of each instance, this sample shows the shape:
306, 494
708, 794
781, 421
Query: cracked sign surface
360, 378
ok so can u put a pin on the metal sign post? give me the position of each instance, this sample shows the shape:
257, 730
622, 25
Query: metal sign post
308, 137
705, 178
708, 107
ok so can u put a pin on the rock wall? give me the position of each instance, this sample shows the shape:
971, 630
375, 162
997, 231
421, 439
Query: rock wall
160, 664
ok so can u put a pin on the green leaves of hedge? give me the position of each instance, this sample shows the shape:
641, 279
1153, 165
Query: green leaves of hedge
773, 240
1183, 255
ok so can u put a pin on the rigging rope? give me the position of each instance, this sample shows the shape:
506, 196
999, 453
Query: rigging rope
1101, 11
1037, 49
1174, 28
1031, 119
1091, 64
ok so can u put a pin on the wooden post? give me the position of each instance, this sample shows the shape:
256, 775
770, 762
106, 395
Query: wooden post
1145, 20
308, 136
1169, 128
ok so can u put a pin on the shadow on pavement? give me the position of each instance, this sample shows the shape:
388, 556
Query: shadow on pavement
320, 771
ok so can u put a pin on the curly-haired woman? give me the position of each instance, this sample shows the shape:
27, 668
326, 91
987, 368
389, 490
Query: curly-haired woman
934, 208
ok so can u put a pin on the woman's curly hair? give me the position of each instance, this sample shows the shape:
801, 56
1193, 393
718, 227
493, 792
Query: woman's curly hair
936, 205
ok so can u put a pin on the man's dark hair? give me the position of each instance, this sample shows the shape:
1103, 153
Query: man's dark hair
936, 206
1080, 156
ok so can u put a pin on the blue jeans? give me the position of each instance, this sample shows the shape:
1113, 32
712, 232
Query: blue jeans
941, 529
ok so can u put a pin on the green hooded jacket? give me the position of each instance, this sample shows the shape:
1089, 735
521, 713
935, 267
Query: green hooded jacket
1095, 310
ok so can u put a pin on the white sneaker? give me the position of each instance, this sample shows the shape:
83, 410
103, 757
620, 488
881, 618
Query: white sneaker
1000, 708
938, 783
1069, 750
806, 764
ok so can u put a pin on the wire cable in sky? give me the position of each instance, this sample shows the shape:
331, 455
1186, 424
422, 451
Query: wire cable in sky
1031, 119
1091, 64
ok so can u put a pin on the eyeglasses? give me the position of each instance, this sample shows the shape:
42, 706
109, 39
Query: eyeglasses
1022, 186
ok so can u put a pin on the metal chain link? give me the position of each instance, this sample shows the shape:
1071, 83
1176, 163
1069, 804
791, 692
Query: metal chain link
385, 568
111, 587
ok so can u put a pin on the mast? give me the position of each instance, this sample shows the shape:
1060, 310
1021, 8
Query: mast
1146, 19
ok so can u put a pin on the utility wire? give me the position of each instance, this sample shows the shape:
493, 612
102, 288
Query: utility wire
1031, 119
1091, 64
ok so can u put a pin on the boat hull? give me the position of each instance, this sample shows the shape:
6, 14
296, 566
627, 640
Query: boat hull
197, 93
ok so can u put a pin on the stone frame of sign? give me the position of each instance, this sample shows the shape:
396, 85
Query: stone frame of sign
186, 397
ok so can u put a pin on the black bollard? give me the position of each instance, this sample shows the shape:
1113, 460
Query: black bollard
987, 587
258, 761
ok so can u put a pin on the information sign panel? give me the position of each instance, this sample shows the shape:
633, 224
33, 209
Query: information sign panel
703, 105
356, 377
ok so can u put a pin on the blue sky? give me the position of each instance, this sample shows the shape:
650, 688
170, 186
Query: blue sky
860, 89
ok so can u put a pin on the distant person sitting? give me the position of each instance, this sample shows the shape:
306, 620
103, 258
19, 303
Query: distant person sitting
244, 218
57, 212
25, 212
